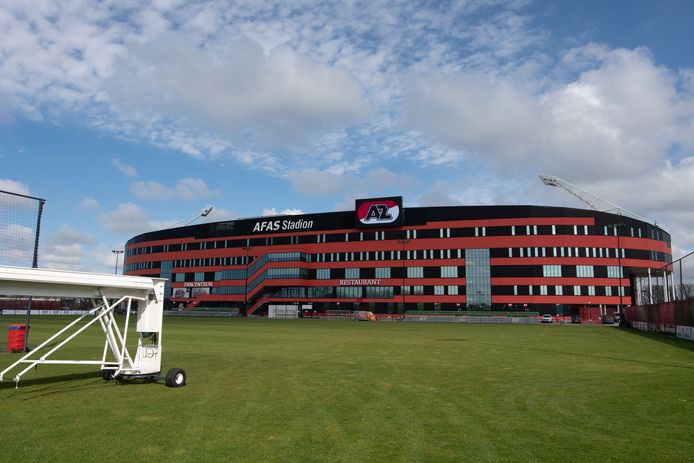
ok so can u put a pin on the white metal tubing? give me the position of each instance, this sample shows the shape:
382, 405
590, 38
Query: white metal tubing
61, 344
40, 346
125, 338
650, 287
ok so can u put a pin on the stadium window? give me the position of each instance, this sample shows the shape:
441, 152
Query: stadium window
521, 251
551, 271
527, 229
585, 229
323, 274
415, 272
608, 290
575, 229
449, 272
510, 252
513, 230
352, 273
448, 232
383, 272
438, 290
530, 290
543, 290
418, 290
577, 290
515, 290
534, 229
554, 229
591, 290
484, 231
452, 290
554, 252
558, 291
477, 231
544, 252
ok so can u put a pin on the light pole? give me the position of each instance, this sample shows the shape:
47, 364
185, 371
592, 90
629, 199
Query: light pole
117, 253
403, 242
245, 290
615, 227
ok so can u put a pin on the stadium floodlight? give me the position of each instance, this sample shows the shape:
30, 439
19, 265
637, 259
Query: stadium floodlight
193, 217
591, 200
107, 292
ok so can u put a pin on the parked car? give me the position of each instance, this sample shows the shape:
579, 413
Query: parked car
606, 320
576, 318
546, 318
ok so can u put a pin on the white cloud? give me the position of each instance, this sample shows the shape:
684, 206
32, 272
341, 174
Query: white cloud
186, 189
14, 186
66, 249
272, 211
89, 204
618, 118
315, 182
131, 218
128, 171
280, 97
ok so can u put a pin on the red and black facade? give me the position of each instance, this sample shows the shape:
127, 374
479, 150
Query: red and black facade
389, 259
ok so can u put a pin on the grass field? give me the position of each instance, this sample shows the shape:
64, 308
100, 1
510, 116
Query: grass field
314, 390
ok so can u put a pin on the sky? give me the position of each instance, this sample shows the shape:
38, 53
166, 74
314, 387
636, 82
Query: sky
130, 116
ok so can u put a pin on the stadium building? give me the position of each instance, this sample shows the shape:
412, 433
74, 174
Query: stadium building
384, 258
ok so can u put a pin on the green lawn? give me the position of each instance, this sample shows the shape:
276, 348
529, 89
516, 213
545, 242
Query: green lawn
337, 391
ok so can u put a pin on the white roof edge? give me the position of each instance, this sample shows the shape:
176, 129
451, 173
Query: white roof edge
70, 278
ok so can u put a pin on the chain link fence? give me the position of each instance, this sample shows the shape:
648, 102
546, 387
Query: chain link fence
671, 282
20, 223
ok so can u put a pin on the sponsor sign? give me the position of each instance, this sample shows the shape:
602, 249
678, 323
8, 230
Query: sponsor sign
379, 212
361, 282
262, 226
197, 284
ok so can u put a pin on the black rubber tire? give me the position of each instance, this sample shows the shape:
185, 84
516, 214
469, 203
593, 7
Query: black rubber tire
107, 375
176, 377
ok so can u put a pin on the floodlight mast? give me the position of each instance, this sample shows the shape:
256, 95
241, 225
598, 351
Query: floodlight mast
591, 200
192, 218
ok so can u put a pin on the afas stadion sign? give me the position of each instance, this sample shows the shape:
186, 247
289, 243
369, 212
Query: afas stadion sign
379, 212
372, 212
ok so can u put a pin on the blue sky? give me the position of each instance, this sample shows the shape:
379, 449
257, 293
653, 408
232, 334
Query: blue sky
128, 117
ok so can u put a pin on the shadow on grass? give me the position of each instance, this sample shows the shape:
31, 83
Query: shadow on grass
650, 336
10, 384
669, 340
60, 384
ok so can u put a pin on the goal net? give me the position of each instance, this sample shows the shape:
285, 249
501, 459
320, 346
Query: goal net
20, 221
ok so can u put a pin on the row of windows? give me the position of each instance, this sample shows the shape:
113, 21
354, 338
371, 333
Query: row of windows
385, 272
388, 292
566, 252
546, 290
654, 233
472, 273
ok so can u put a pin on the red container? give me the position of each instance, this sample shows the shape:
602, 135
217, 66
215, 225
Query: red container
15, 338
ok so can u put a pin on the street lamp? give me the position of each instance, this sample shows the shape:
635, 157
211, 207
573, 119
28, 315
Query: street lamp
615, 227
117, 253
403, 242
245, 290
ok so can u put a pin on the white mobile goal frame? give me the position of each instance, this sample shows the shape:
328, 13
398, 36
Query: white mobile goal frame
107, 292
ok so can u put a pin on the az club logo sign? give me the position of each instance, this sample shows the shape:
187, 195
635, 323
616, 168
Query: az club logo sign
380, 211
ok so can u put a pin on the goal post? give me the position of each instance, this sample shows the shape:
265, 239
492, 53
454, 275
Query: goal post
20, 227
